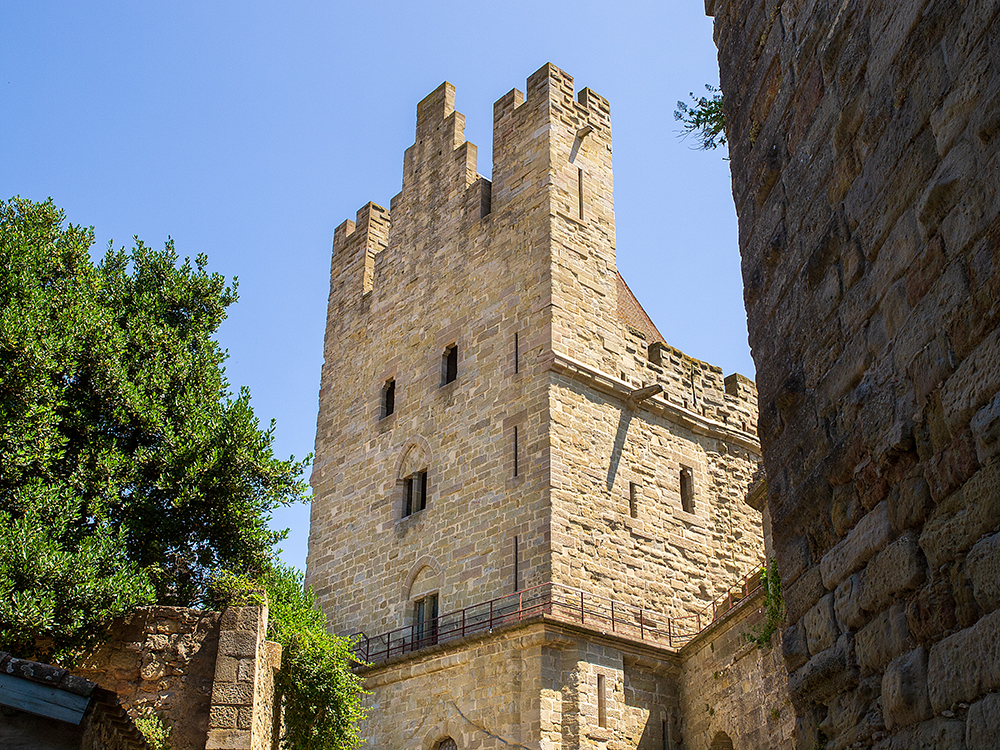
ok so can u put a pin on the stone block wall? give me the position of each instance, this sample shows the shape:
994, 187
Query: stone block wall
610, 462
58, 696
208, 675
729, 687
162, 658
530, 686
864, 146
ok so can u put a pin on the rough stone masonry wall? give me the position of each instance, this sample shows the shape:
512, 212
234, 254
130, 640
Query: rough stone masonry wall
161, 658
664, 559
731, 687
866, 175
458, 266
208, 675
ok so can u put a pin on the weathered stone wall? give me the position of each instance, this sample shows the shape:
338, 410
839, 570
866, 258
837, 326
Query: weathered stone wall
162, 658
529, 686
242, 713
532, 452
731, 686
665, 558
863, 139
520, 274
447, 273
208, 675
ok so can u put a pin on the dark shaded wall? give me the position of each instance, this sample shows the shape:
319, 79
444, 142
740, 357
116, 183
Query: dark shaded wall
864, 143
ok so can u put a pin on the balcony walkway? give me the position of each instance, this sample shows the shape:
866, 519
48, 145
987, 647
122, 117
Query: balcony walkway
561, 603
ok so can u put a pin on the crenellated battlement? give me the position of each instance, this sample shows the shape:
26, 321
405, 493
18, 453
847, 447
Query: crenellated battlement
549, 148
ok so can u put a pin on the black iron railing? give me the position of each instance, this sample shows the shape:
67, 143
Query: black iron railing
559, 602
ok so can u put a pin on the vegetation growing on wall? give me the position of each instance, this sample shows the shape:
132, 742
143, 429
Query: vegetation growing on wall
774, 608
704, 118
129, 472
321, 693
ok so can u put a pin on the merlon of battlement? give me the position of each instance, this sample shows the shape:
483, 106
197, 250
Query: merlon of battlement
355, 245
435, 108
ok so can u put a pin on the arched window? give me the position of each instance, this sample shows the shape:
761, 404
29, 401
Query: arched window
721, 742
446, 744
420, 594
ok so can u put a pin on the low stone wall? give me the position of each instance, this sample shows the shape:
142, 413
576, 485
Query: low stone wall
209, 675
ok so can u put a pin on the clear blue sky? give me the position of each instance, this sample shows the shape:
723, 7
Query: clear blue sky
249, 130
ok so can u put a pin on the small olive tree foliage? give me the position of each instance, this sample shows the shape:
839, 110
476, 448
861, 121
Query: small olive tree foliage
322, 695
704, 118
129, 472
59, 578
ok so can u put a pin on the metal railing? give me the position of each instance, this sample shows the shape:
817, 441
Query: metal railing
559, 602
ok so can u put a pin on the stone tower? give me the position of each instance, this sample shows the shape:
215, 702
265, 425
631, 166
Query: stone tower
507, 450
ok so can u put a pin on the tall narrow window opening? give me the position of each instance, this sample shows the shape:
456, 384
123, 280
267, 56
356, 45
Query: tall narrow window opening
449, 364
388, 397
515, 450
633, 499
579, 190
602, 708
416, 493
687, 489
517, 365
425, 625
516, 586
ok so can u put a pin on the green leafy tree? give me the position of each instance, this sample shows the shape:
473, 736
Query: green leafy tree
129, 473
705, 118
321, 692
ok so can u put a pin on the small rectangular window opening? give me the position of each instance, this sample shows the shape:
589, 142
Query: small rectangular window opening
515, 450
449, 364
416, 493
687, 489
516, 356
602, 709
633, 499
580, 190
388, 398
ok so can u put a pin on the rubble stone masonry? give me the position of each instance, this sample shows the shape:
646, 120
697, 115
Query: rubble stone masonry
866, 174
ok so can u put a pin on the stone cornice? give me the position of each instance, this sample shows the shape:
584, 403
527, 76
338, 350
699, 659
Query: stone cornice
658, 405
